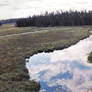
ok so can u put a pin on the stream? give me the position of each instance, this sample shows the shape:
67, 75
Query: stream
64, 70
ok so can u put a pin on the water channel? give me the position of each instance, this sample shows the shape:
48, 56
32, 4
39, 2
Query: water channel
64, 70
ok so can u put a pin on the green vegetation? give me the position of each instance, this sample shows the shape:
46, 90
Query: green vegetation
90, 58
15, 49
10, 29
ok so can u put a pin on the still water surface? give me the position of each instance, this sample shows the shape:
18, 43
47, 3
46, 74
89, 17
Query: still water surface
64, 70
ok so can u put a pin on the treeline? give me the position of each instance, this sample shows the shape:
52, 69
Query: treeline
8, 21
68, 18
0, 23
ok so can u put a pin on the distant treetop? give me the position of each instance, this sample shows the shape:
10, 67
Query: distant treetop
67, 18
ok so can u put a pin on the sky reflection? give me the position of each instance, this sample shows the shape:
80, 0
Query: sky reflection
64, 70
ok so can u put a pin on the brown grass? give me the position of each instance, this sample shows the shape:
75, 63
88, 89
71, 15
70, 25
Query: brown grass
14, 49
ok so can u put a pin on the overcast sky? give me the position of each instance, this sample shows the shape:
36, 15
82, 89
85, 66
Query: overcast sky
21, 8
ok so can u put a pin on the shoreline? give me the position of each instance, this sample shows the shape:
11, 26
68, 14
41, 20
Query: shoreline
60, 48
12, 69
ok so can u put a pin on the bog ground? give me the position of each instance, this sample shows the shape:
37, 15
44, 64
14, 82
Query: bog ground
17, 44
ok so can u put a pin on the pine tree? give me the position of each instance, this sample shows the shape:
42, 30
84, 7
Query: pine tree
68, 18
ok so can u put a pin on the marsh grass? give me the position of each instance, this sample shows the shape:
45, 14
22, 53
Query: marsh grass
15, 49
90, 58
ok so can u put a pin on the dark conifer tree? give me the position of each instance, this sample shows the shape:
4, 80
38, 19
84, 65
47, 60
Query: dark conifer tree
68, 18
0, 23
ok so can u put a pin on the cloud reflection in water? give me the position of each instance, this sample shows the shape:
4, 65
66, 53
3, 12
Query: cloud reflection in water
66, 69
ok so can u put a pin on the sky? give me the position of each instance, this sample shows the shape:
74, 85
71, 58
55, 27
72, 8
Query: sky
24, 8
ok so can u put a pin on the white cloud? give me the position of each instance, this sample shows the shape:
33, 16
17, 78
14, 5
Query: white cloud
20, 8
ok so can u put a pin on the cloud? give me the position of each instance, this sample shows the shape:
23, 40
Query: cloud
23, 8
3, 4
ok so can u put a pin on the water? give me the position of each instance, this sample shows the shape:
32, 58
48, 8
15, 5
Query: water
63, 70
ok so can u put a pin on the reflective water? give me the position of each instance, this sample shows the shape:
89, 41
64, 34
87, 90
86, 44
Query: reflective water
63, 70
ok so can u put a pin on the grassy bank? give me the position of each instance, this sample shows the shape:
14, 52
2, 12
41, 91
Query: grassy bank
90, 58
15, 49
